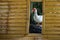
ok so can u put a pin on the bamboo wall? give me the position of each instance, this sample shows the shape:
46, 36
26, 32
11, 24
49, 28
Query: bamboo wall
51, 29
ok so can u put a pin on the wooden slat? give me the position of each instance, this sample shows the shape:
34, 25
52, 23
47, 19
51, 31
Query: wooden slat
18, 13
36, 0
17, 28
17, 24
17, 10
10, 36
51, 0
3, 2
53, 3
52, 36
4, 7
16, 32
17, 0
15, 3
52, 32
18, 16
17, 6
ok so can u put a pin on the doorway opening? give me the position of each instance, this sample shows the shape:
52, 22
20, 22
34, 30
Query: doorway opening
36, 17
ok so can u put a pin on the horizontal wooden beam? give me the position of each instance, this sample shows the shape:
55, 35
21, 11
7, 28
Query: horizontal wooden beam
36, 0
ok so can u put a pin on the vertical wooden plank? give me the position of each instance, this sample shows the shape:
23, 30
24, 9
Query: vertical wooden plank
28, 15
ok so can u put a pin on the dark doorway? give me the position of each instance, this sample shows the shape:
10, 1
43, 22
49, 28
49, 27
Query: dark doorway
35, 26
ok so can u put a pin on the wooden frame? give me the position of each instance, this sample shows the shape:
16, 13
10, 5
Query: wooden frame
28, 15
36, 0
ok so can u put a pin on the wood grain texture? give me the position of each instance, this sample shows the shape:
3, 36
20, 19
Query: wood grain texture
52, 20
15, 13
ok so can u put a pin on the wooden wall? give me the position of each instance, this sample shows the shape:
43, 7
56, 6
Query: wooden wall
13, 18
51, 29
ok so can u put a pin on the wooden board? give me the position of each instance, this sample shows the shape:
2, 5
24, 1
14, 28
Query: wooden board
13, 17
51, 29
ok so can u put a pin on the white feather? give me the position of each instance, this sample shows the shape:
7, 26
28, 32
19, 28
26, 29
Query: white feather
37, 18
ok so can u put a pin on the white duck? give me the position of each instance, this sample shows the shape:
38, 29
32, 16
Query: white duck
37, 18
